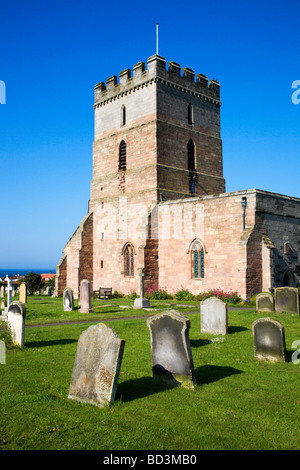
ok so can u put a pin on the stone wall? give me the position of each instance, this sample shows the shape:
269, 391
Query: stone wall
217, 222
86, 252
61, 276
249, 260
280, 216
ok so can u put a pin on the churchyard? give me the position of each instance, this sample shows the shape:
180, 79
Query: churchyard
237, 399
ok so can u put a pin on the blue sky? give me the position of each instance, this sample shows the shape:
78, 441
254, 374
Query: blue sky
52, 55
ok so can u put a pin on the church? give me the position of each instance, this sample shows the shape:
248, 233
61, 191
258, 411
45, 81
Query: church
158, 203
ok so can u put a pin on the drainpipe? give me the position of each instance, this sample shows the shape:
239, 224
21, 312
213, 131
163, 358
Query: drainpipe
244, 204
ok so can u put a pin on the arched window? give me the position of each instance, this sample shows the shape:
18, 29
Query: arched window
122, 156
123, 115
197, 252
128, 254
191, 155
190, 114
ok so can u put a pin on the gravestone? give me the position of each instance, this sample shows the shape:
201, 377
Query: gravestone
265, 302
16, 321
23, 293
68, 300
97, 366
2, 291
287, 299
46, 291
171, 354
269, 340
3, 304
213, 316
2, 352
8, 290
9, 299
141, 302
85, 297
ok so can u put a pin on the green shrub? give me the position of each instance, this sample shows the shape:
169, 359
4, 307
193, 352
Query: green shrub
132, 296
117, 295
157, 293
184, 294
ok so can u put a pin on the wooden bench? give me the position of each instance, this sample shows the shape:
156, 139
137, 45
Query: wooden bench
103, 292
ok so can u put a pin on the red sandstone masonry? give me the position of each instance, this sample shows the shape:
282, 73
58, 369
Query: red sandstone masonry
61, 278
86, 252
156, 135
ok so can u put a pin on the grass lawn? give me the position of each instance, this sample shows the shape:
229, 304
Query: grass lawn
45, 309
238, 403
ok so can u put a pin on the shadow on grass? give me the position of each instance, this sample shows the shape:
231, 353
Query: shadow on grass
208, 374
288, 355
55, 342
197, 343
236, 329
139, 388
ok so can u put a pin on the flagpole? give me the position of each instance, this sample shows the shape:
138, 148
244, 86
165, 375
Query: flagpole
156, 38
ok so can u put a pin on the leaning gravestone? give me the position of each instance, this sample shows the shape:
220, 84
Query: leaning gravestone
214, 316
16, 321
97, 366
265, 302
287, 299
23, 293
172, 360
85, 297
269, 340
68, 299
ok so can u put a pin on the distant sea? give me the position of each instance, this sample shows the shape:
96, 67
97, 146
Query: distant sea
23, 272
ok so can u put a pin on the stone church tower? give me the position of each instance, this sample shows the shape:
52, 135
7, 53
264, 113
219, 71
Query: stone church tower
158, 200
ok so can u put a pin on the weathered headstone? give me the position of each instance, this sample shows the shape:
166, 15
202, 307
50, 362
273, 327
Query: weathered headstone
23, 293
265, 302
287, 299
68, 299
85, 297
213, 316
269, 340
2, 291
3, 304
171, 354
16, 321
97, 366
2, 352
141, 302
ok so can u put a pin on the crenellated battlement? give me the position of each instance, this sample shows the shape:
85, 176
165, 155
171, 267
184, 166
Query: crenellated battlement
157, 72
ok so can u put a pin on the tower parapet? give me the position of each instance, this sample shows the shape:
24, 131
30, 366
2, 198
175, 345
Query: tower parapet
157, 72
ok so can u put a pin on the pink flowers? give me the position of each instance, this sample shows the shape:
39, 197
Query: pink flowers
160, 293
231, 296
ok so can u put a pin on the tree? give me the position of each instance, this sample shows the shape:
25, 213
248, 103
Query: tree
33, 282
